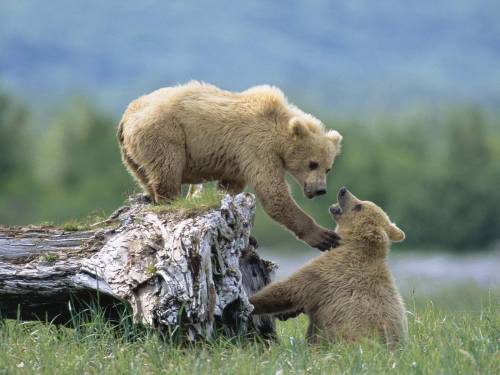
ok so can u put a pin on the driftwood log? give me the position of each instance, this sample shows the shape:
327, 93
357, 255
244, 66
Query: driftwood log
176, 270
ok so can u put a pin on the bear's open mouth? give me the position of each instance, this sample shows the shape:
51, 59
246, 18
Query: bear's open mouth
335, 210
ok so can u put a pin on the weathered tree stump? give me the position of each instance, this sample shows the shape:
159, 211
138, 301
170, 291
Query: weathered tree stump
194, 272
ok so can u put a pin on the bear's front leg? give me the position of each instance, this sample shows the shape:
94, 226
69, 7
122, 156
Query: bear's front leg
274, 195
321, 238
274, 298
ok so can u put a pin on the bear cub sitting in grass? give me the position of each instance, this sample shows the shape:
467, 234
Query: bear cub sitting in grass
349, 292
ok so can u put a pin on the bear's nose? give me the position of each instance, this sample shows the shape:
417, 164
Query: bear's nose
342, 191
320, 191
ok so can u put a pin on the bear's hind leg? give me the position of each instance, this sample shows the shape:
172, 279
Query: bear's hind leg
138, 173
165, 176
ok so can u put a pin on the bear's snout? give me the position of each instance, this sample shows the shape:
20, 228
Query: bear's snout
320, 191
308, 192
313, 191
343, 197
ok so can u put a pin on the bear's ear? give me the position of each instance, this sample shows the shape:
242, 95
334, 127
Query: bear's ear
335, 137
297, 127
395, 234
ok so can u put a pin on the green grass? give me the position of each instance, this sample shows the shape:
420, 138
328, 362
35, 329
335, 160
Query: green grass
465, 340
205, 200
83, 224
74, 225
209, 198
50, 257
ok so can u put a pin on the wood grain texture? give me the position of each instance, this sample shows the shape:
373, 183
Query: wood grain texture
191, 272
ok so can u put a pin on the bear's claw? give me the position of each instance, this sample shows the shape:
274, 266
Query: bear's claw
289, 314
252, 241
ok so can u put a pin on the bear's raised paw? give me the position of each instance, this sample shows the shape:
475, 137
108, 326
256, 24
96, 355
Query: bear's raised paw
323, 239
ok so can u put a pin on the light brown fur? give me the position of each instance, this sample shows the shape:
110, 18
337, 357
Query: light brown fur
197, 132
349, 292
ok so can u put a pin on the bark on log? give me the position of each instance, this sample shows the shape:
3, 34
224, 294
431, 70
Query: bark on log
175, 270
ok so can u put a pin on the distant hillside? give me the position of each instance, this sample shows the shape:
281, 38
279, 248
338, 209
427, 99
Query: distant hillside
344, 56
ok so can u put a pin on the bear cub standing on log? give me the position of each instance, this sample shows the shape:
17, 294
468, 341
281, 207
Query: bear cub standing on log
197, 132
348, 293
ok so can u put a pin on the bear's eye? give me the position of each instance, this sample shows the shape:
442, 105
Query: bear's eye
313, 165
357, 207
328, 170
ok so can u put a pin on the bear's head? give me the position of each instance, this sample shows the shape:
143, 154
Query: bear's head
363, 221
310, 153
